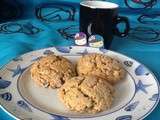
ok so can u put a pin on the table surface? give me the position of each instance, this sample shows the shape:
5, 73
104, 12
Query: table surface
142, 43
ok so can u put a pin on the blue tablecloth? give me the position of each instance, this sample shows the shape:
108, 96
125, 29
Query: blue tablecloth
33, 24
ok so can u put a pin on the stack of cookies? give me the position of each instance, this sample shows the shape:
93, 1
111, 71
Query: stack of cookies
88, 87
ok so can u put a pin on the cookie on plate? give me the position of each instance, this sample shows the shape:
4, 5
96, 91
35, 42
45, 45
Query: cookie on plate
101, 66
86, 94
52, 71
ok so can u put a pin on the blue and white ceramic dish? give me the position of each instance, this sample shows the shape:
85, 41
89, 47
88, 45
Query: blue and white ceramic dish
136, 96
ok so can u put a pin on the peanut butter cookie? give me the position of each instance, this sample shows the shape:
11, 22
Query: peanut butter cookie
86, 94
101, 66
52, 71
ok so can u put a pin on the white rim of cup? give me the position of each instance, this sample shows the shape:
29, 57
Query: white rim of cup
99, 4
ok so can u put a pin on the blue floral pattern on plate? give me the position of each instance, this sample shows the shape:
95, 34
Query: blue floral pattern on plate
18, 59
24, 105
37, 58
17, 71
141, 70
48, 52
64, 49
4, 83
132, 106
84, 52
142, 87
154, 97
6, 96
57, 117
128, 63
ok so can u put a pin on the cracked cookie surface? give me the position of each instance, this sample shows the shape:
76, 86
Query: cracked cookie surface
86, 94
101, 66
52, 71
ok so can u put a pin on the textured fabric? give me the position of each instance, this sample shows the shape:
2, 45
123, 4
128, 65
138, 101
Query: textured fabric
28, 25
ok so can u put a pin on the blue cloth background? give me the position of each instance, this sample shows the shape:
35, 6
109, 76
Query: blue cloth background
26, 27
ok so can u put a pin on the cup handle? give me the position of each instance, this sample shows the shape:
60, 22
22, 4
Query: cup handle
124, 20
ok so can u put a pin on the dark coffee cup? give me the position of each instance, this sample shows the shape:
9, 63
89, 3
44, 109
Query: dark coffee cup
101, 18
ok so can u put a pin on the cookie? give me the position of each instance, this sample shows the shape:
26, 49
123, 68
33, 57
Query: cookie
102, 66
52, 71
86, 94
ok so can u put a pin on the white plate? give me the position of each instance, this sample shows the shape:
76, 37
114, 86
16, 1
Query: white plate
136, 96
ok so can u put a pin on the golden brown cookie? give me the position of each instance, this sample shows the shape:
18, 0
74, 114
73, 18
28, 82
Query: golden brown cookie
86, 94
101, 66
52, 71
